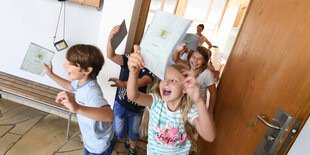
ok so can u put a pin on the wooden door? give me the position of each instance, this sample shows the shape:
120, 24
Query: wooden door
268, 68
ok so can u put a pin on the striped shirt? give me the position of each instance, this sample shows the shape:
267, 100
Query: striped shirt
166, 134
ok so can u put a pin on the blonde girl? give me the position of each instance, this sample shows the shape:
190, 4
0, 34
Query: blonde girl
177, 109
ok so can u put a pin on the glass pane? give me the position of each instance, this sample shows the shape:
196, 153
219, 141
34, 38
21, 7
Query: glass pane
216, 11
155, 4
169, 6
197, 9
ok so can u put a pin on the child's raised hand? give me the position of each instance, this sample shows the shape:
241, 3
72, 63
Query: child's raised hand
117, 83
135, 61
67, 100
48, 68
191, 87
114, 31
180, 48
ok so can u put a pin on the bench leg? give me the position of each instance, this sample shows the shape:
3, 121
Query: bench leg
68, 126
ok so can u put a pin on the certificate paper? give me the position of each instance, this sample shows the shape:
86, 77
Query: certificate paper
160, 40
34, 59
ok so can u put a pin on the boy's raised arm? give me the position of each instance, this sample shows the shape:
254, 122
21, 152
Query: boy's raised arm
104, 114
116, 58
60, 81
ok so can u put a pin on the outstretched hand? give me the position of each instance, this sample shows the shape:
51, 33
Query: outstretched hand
48, 68
67, 100
117, 83
191, 87
135, 61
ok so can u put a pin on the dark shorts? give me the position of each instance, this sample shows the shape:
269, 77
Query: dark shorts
126, 122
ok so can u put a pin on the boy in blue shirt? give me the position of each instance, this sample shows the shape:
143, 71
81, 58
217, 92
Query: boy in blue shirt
93, 112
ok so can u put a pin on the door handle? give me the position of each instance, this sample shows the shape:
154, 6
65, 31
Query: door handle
277, 129
262, 118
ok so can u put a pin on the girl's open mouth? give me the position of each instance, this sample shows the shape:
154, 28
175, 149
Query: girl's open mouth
166, 92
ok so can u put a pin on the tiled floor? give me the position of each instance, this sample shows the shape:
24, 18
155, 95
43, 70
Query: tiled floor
27, 131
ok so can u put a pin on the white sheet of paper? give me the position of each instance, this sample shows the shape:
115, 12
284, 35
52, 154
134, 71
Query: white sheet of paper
160, 40
34, 59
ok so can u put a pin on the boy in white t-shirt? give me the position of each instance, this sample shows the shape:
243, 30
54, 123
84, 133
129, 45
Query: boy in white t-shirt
94, 114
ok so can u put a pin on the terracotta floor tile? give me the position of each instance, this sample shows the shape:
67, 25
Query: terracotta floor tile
7, 105
74, 143
7, 141
23, 127
44, 138
19, 114
4, 129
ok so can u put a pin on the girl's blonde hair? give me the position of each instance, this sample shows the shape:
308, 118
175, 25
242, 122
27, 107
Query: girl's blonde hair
185, 106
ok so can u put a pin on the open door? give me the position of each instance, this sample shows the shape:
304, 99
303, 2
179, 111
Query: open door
267, 72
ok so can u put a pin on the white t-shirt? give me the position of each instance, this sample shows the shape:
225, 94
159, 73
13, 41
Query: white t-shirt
204, 80
96, 135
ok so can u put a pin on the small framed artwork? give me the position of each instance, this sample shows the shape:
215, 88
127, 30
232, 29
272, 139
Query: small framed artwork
60, 45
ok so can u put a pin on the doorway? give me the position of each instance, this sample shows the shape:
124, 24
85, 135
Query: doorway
222, 20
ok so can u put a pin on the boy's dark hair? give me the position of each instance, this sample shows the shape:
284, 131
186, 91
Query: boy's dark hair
202, 26
85, 56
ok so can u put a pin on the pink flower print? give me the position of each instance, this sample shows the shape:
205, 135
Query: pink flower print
173, 131
171, 136
160, 134
159, 128
182, 138
166, 135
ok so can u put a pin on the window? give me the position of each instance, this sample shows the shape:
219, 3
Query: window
207, 12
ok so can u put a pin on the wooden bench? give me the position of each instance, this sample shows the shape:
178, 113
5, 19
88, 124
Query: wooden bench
32, 93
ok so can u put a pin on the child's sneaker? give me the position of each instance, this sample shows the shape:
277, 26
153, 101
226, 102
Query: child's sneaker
132, 151
127, 144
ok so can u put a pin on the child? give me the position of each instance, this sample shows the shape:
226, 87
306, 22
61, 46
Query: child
202, 38
93, 112
180, 54
127, 113
173, 118
198, 62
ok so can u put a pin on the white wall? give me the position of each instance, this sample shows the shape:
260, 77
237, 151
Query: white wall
302, 142
113, 13
35, 21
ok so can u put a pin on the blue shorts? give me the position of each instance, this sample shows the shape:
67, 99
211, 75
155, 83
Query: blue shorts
126, 122
108, 151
